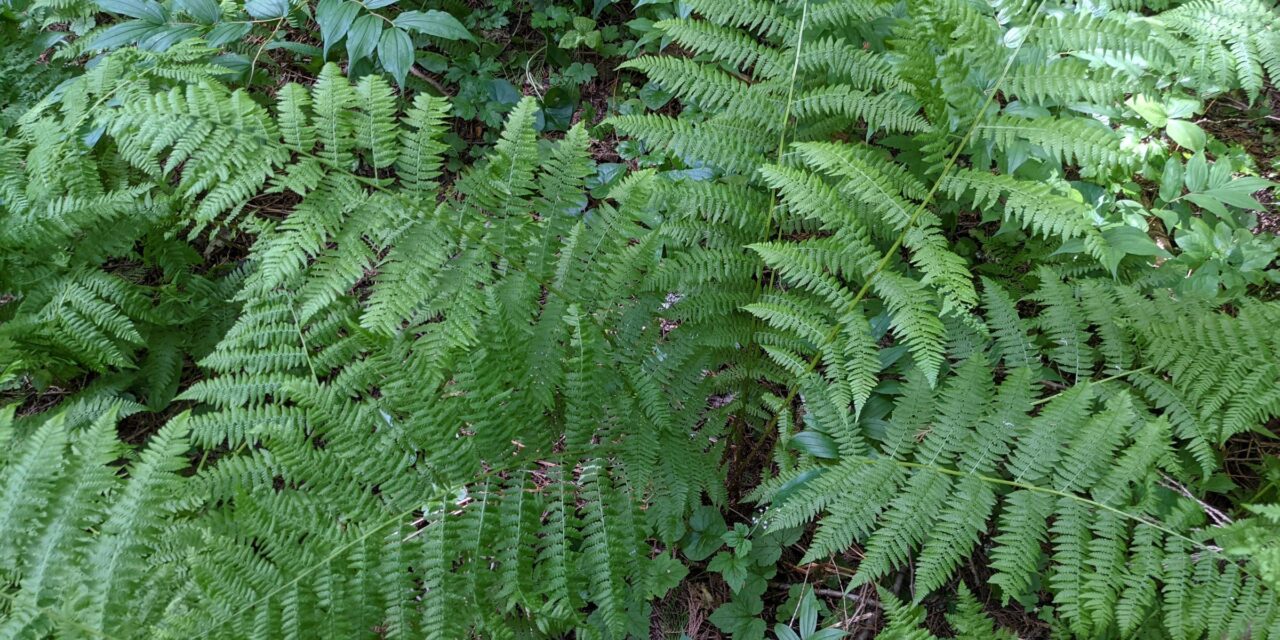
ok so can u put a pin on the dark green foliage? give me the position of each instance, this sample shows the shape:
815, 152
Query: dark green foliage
889, 271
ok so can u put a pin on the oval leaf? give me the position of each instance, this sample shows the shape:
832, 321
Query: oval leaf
363, 37
148, 10
203, 11
335, 18
1188, 135
267, 9
434, 23
395, 51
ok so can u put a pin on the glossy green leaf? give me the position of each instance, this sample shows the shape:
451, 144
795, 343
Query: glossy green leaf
1132, 241
816, 444
166, 36
1239, 192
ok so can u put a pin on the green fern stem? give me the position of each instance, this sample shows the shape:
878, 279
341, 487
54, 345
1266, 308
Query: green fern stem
838, 326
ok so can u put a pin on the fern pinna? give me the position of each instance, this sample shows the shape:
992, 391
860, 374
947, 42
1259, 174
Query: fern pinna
425, 391
89, 276
894, 355
419, 404
1091, 470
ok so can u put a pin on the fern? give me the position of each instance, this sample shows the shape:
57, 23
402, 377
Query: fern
401, 400
93, 536
1082, 474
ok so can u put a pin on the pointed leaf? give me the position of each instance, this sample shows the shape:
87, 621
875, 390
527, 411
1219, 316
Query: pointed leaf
1188, 135
363, 37
395, 51
148, 10
434, 23
335, 18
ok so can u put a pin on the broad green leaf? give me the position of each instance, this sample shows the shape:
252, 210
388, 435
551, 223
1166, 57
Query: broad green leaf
1171, 180
1239, 192
267, 9
808, 614
227, 32
1188, 135
1123, 240
120, 34
1197, 175
148, 10
363, 37
395, 52
1150, 110
732, 568
816, 444
167, 36
1132, 241
663, 574
1206, 201
706, 527
378, 4
784, 633
1182, 107
335, 18
204, 11
433, 23
740, 618
830, 633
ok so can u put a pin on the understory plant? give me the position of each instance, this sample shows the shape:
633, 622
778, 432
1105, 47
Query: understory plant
935, 307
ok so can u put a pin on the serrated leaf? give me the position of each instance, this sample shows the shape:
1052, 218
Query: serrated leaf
732, 568
706, 526
740, 618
